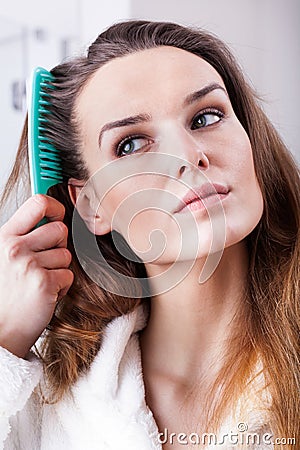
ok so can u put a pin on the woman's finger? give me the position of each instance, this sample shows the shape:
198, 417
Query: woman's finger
30, 214
59, 281
53, 259
50, 235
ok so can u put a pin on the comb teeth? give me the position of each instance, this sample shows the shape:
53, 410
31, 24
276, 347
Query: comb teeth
44, 158
49, 156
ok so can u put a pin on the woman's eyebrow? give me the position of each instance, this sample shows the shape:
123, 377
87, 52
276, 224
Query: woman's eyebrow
132, 120
142, 118
197, 95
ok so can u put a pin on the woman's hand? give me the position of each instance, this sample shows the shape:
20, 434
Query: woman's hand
34, 272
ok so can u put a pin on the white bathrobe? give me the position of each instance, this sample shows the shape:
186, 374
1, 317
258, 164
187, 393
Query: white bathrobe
107, 409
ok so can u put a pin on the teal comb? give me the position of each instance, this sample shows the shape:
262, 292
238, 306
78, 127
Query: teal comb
44, 160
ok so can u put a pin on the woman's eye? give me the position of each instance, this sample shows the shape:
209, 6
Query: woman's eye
131, 145
205, 119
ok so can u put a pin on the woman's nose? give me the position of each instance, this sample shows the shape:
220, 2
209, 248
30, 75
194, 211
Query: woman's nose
199, 159
191, 153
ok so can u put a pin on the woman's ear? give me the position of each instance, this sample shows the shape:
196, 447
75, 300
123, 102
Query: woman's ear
85, 201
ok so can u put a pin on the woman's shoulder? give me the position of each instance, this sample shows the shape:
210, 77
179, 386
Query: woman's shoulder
249, 420
107, 398
119, 353
111, 395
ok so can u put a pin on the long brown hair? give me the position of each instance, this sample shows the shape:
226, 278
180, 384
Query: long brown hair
273, 326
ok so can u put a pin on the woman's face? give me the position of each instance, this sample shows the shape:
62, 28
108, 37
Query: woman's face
158, 131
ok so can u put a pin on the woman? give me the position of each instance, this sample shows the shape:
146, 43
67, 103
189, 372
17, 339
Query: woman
161, 110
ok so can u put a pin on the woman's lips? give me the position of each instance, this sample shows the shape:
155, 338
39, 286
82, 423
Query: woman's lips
202, 197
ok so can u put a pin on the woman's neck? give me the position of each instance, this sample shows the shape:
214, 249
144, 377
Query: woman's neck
186, 334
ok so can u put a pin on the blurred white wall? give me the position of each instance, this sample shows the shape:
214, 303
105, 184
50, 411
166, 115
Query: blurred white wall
264, 35
96, 15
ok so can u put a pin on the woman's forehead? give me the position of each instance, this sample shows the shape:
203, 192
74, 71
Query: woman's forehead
135, 80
